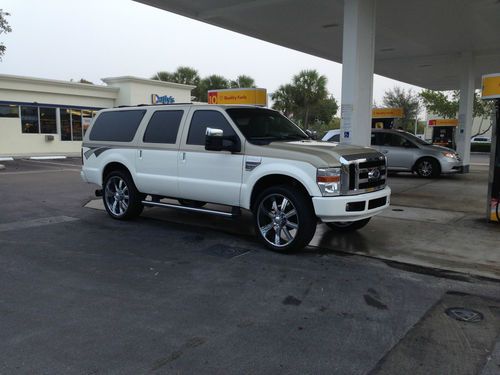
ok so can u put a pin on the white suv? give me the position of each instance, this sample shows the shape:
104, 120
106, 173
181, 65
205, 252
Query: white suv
237, 156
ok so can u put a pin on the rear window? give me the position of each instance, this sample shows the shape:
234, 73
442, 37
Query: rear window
116, 126
163, 127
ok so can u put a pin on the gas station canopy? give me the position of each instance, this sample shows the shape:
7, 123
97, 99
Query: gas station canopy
418, 42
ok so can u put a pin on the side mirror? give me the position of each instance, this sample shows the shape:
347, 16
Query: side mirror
216, 141
312, 134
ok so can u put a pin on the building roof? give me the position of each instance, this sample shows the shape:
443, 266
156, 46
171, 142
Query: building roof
151, 82
419, 42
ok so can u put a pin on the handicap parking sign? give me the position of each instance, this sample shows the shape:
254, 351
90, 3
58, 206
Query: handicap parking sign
346, 134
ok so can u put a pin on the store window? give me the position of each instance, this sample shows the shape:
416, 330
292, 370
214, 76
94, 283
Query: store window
29, 119
87, 115
48, 123
76, 124
65, 125
9, 110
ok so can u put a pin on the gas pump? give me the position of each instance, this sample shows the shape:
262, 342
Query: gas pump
443, 132
491, 91
383, 118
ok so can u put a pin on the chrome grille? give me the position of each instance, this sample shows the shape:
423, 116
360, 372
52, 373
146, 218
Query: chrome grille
363, 173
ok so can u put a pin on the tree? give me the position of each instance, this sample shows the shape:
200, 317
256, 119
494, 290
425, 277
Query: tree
164, 76
242, 81
307, 101
446, 104
408, 100
284, 100
4, 29
212, 82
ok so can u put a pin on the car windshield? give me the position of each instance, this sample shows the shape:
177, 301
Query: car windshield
263, 126
416, 139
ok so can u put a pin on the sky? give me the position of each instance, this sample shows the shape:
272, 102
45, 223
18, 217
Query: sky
94, 39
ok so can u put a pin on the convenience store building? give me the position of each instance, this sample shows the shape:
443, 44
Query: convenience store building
44, 117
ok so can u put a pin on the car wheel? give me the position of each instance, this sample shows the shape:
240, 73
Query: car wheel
347, 226
284, 218
428, 168
190, 203
121, 198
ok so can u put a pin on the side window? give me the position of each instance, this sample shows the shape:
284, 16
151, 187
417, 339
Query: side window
163, 127
116, 126
335, 138
377, 139
204, 119
398, 141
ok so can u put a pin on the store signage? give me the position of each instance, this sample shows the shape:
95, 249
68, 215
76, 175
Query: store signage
443, 122
387, 113
166, 99
252, 96
491, 86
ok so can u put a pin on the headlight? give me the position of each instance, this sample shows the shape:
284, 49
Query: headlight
450, 155
328, 180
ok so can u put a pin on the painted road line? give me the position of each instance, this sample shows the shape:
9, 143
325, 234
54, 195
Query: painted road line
47, 157
52, 163
44, 171
6, 159
36, 223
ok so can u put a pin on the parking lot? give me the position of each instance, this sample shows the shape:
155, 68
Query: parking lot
184, 293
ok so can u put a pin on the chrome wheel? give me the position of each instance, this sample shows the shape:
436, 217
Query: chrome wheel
116, 196
277, 220
425, 168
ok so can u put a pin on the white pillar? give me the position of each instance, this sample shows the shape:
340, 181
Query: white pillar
358, 52
465, 110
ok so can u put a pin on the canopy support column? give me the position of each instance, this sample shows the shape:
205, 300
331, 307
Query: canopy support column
358, 53
465, 111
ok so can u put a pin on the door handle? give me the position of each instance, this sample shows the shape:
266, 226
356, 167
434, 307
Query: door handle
140, 153
183, 156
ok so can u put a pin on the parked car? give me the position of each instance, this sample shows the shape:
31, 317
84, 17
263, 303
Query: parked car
239, 156
406, 152
481, 139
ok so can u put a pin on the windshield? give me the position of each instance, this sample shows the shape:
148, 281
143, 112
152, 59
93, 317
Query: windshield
263, 126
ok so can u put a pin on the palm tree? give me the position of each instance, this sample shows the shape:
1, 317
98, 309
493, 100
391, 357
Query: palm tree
309, 91
284, 100
212, 82
163, 76
242, 81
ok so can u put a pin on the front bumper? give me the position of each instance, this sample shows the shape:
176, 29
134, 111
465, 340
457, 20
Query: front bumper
449, 165
351, 207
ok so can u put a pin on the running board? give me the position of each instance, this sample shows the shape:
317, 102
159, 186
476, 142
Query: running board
235, 211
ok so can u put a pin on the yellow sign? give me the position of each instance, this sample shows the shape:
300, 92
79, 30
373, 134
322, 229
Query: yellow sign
251, 96
491, 86
387, 113
443, 122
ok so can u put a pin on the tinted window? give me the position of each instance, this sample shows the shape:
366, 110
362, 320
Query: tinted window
377, 139
7, 110
29, 119
207, 119
48, 120
262, 126
117, 126
163, 127
335, 138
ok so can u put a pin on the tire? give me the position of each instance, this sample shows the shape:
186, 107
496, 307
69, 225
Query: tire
348, 226
284, 219
120, 196
428, 168
190, 203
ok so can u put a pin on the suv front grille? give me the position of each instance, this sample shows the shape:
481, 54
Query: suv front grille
363, 173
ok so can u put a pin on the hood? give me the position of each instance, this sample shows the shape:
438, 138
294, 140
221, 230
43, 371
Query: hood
439, 148
319, 154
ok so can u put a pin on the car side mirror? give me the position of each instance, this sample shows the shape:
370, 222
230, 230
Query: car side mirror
216, 141
312, 134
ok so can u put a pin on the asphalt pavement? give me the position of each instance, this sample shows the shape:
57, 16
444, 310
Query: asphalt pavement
81, 293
